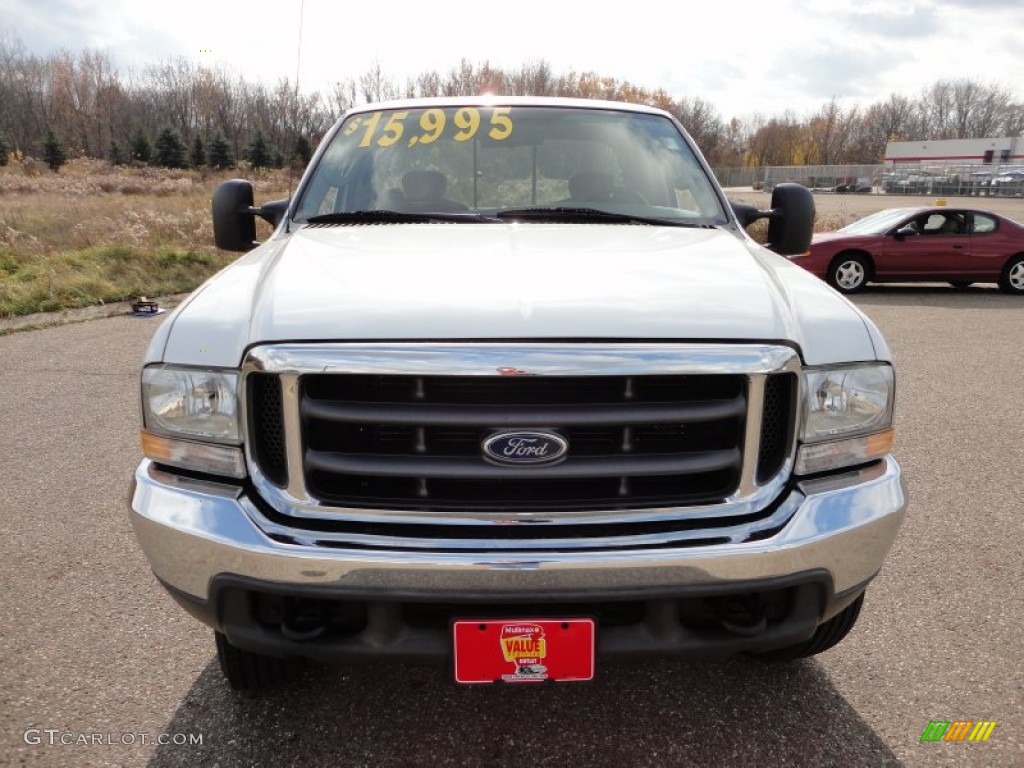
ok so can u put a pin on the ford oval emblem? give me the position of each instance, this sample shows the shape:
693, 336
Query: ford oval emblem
525, 448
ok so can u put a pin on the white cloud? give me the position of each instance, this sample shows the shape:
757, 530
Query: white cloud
742, 56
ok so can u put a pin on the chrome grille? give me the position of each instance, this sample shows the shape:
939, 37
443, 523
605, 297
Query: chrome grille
414, 442
670, 444
267, 426
776, 424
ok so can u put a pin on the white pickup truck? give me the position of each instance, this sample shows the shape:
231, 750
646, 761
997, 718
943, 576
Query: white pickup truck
511, 388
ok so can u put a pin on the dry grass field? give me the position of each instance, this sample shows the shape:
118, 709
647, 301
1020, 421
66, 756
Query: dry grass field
93, 233
96, 234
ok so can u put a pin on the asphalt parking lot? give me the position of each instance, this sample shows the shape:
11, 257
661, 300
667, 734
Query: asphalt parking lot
92, 646
848, 208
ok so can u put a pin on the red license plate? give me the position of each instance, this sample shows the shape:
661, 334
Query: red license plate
523, 650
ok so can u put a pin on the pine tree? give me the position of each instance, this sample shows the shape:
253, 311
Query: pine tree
303, 151
258, 154
220, 153
53, 152
5, 150
116, 153
142, 150
198, 156
170, 152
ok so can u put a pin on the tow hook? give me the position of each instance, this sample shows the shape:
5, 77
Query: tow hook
303, 622
743, 616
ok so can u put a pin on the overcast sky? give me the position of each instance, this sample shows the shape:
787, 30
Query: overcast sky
742, 56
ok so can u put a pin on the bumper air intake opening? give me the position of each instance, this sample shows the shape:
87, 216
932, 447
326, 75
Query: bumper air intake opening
302, 619
744, 615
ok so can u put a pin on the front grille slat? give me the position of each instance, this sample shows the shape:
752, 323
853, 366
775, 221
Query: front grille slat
471, 469
521, 415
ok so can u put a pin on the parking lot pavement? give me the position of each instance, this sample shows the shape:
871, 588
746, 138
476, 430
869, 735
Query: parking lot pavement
93, 648
839, 210
858, 206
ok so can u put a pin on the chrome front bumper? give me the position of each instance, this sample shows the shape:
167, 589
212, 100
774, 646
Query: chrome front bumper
193, 531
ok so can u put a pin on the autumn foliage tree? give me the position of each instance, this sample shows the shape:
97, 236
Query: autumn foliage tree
84, 98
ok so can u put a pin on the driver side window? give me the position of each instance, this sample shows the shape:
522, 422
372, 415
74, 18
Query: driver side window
940, 224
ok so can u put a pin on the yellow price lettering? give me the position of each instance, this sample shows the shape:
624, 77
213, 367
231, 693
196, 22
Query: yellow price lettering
351, 126
502, 124
432, 122
468, 119
371, 126
392, 129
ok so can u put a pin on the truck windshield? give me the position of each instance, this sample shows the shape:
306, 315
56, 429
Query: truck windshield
488, 159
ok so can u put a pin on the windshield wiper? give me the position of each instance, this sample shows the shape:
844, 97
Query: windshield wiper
392, 217
573, 215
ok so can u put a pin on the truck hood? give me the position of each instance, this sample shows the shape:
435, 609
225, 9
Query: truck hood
511, 281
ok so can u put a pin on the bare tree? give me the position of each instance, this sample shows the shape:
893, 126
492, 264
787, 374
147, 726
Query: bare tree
830, 131
342, 97
376, 86
87, 101
1011, 122
429, 84
702, 122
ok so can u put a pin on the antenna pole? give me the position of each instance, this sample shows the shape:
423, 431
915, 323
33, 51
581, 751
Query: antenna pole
298, 68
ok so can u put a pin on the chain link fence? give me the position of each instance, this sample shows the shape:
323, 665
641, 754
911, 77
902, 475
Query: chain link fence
967, 180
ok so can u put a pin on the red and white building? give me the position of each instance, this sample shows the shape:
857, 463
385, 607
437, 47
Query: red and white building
1001, 151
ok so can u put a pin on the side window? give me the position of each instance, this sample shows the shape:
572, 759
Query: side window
945, 224
917, 224
983, 224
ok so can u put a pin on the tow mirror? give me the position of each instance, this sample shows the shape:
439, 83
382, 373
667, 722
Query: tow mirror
791, 224
790, 220
234, 223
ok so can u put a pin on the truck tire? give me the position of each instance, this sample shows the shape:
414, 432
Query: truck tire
827, 635
247, 671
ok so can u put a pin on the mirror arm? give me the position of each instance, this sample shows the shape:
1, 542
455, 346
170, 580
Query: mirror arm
272, 212
748, 214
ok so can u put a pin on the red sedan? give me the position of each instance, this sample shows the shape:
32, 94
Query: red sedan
955, 245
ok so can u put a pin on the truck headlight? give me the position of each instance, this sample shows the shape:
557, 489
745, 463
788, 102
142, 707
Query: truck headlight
847, 417
186, 409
